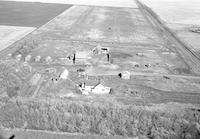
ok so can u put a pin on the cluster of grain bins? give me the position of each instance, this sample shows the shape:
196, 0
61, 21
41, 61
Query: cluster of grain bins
37, 59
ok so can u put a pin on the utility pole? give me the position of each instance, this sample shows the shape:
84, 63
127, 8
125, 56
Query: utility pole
74, 58
108, 57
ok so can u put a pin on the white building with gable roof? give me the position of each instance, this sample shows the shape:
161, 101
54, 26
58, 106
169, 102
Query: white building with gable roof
97, 89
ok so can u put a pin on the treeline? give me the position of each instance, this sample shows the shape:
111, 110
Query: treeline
107, 119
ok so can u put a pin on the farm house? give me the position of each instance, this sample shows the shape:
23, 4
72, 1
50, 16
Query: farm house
96, 89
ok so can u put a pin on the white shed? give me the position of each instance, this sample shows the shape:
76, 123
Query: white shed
27, 58
64, 74
18, 57
48, 59
126, 75
38, 58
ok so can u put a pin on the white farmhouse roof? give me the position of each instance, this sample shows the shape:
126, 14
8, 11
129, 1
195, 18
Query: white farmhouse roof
100, 89
97, 89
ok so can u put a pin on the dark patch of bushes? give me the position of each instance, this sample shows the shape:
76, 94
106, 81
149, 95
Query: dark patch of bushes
106, 119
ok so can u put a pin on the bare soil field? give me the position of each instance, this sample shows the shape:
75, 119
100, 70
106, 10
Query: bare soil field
101, 24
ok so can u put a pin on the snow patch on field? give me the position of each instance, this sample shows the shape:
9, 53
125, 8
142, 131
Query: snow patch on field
11, 34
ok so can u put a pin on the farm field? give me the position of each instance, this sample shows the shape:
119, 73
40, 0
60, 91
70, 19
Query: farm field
11, 34
28, 14
185, 23
149, 86
126, 42
17, 19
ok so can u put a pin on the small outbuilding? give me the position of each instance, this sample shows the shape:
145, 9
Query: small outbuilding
81, 72
64, 74
18, 57
38, 58
27, 58
50, 70
125, 75
100, 50
48, 59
